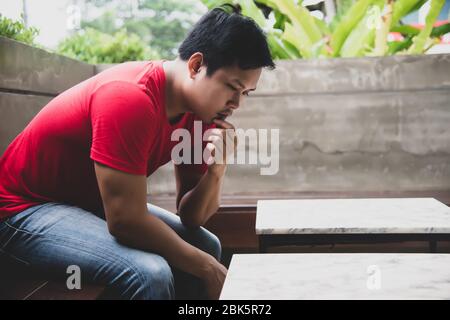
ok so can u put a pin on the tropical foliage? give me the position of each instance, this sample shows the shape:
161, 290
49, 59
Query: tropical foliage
360, 28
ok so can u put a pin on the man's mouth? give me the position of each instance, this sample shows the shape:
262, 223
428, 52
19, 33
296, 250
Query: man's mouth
224, 115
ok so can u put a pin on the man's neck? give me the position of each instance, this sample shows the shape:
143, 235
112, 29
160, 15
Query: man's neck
175, 103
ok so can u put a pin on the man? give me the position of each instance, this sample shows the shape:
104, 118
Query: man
73, 182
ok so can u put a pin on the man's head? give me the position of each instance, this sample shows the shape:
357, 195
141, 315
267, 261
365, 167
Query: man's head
224, 53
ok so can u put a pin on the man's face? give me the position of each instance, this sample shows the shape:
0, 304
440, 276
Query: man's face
219, 95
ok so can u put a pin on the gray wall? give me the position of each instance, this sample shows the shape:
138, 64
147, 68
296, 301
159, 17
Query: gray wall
366, 124
29, 79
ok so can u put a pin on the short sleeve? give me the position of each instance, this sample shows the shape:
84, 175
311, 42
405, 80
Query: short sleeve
122, 121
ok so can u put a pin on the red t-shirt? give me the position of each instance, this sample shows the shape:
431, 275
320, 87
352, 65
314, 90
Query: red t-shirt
117, 118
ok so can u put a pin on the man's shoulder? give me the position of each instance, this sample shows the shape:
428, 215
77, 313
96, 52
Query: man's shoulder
122, 91
142, 75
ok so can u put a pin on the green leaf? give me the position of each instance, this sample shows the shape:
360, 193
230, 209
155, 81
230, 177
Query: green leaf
421, 39
397, 46
361, 37
250, 9
281, 49
17, 30
406, 30
280, 20
403, 8
324, 29
302, 31
440, 30
300, 18
299, 39
342, 7
418, 5
348, 22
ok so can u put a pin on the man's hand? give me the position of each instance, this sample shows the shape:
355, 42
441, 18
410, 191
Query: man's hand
214, 278
222, 145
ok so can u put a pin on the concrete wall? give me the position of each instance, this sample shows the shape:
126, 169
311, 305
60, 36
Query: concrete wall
29, 79
365, 124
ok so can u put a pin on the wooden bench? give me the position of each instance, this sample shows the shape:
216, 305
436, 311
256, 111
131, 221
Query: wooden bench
18, 282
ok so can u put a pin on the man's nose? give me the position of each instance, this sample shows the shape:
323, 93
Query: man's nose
235, 102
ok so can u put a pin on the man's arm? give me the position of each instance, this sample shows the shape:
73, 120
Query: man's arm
198, 195
125, 204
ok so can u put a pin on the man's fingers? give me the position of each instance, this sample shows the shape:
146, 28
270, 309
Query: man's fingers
214, 139
214, 132
230, 139
216, 153
224, 140
229, 135
223, 124
211, 148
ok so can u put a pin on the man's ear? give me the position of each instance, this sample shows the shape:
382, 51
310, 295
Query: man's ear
195, 63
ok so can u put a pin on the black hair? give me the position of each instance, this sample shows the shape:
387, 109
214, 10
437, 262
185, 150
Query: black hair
225, 37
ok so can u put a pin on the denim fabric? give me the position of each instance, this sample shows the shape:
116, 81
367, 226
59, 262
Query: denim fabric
52, 236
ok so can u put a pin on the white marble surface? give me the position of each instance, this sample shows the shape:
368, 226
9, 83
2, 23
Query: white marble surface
337, 276
381, 215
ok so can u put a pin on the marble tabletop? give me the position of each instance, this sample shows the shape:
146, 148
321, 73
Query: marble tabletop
337, 276
336, 216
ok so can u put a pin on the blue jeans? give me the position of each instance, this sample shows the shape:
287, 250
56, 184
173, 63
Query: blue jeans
52, 236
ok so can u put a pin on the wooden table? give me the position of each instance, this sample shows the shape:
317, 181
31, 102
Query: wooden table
337, 276
330, 221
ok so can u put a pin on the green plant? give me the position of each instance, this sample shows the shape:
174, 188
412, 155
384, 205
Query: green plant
93, 46
360, 28
419, 41
163, 24
17, 30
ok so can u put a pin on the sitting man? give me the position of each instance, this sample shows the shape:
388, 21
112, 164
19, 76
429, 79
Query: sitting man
73, 183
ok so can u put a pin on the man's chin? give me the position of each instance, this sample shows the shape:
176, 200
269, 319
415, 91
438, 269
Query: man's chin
220, 117
211, 120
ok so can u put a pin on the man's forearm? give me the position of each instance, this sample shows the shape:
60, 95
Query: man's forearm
150, 234
200, 203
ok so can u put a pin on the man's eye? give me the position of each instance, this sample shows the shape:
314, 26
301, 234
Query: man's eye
231, 87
